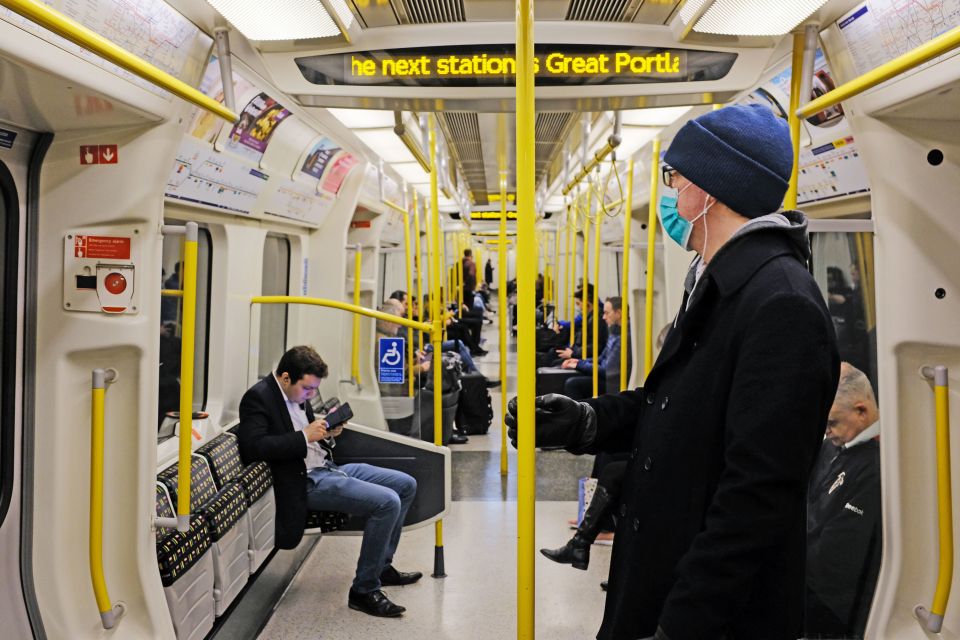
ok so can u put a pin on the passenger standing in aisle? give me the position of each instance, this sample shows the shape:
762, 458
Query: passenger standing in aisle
844, 534
469, 275
711, 535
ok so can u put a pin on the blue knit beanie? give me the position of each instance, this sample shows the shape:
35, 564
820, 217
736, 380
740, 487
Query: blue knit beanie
741, 155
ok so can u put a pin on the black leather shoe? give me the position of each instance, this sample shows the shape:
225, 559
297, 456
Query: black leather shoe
390, 577
456, 438
576, 552
374, 603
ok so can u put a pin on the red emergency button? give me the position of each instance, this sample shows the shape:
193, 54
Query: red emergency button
115, 283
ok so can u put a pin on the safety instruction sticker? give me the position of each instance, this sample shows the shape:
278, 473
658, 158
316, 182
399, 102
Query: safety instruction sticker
101, 247
391, 361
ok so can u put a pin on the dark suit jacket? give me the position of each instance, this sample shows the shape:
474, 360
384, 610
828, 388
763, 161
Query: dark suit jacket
722, 438
266, 433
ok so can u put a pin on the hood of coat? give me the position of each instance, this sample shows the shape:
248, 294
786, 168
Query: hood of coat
740, 257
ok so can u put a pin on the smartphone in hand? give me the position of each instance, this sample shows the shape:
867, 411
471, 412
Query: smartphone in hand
338, 416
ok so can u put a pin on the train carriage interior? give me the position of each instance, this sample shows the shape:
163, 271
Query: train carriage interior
454, 203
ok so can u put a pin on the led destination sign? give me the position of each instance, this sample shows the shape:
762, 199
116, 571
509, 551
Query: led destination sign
495, 65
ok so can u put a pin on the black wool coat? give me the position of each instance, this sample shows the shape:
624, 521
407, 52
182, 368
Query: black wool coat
710, 542
266, 434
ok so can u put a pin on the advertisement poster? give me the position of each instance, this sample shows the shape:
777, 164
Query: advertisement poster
822, 83
205, 125
337, 172
319, 157
250, 136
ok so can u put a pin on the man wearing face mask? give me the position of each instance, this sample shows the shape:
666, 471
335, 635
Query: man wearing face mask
710, 538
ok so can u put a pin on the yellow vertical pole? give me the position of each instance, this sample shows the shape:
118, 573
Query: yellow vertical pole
406, 248
941, 391
595, 348
566, 277
504, 318
189, 283
651, 257
796, 79
355, 352
526, 303
586, 278
572, 266
416, 235
435, 335
459, 253
625, 294
555, 273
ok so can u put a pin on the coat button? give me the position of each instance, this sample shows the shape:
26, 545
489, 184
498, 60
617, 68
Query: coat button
648, 464
634, 453
623, 510
650, 397
636, 524
666, 401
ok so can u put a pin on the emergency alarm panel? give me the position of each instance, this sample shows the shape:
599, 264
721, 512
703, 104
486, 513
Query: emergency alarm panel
100, 268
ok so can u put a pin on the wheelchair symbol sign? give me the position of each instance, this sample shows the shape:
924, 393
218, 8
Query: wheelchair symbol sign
391, 367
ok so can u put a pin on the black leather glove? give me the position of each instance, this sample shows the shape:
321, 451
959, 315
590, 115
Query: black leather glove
560, 422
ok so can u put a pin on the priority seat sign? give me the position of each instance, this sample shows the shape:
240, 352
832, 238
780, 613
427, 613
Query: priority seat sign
391, 361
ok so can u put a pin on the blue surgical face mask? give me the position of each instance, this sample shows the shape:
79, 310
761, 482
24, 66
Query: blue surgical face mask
675, 225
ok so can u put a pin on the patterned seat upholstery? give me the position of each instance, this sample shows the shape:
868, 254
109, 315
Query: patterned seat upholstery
224, 510
325, 521
223, 455
177, 551
202, 486
256, 480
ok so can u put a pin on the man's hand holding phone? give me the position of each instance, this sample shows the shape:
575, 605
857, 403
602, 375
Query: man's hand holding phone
316, 430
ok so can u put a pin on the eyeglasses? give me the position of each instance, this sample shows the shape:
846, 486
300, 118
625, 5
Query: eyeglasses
668, 173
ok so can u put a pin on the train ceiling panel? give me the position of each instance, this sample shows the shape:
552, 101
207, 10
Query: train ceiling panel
387, 13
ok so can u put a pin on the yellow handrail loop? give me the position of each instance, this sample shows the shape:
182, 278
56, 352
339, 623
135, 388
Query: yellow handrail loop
109, 614
651, 258
83, 37
932, 619
625, 294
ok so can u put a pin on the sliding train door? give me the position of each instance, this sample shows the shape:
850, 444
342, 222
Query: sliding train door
15, 151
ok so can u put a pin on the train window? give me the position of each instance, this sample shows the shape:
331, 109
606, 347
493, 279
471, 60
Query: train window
843, 267
171, 325
273, 317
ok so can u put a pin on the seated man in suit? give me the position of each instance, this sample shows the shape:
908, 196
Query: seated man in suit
277, 426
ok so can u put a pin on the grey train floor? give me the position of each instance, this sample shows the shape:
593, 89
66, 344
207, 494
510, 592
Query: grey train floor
477, 599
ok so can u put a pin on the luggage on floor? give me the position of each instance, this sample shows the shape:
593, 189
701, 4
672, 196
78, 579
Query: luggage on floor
475, 409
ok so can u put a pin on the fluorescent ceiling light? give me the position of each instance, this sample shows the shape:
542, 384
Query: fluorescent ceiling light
634, 138
363, 118
412, 172
281, 19
386, 144
656, 117
749, 17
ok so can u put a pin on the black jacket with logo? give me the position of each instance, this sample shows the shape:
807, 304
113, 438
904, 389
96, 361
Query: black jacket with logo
844, 539
722, 437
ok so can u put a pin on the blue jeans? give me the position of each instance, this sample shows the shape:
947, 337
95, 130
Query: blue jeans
382, 496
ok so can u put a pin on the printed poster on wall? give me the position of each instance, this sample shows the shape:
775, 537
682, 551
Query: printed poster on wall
319, 157
337, 172
251, 134
205, 125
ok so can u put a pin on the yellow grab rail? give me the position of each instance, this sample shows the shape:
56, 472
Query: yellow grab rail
355, 349
595, 369
924, 53
625, 295
406, 246
85, 38
343, 306
416, 232
586, 281
171, 293
796, 81
526, 320
436, 334
932, 619
598, 157
651, 258
504, 317
109, 614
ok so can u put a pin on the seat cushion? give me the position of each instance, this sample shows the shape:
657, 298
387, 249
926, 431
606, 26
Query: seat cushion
256, 480
224, 510
164, 509
223, 454
326, 521
177, 551
202, 486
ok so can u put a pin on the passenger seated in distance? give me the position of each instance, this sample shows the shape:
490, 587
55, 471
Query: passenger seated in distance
844, 534
277, 426
608, 374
